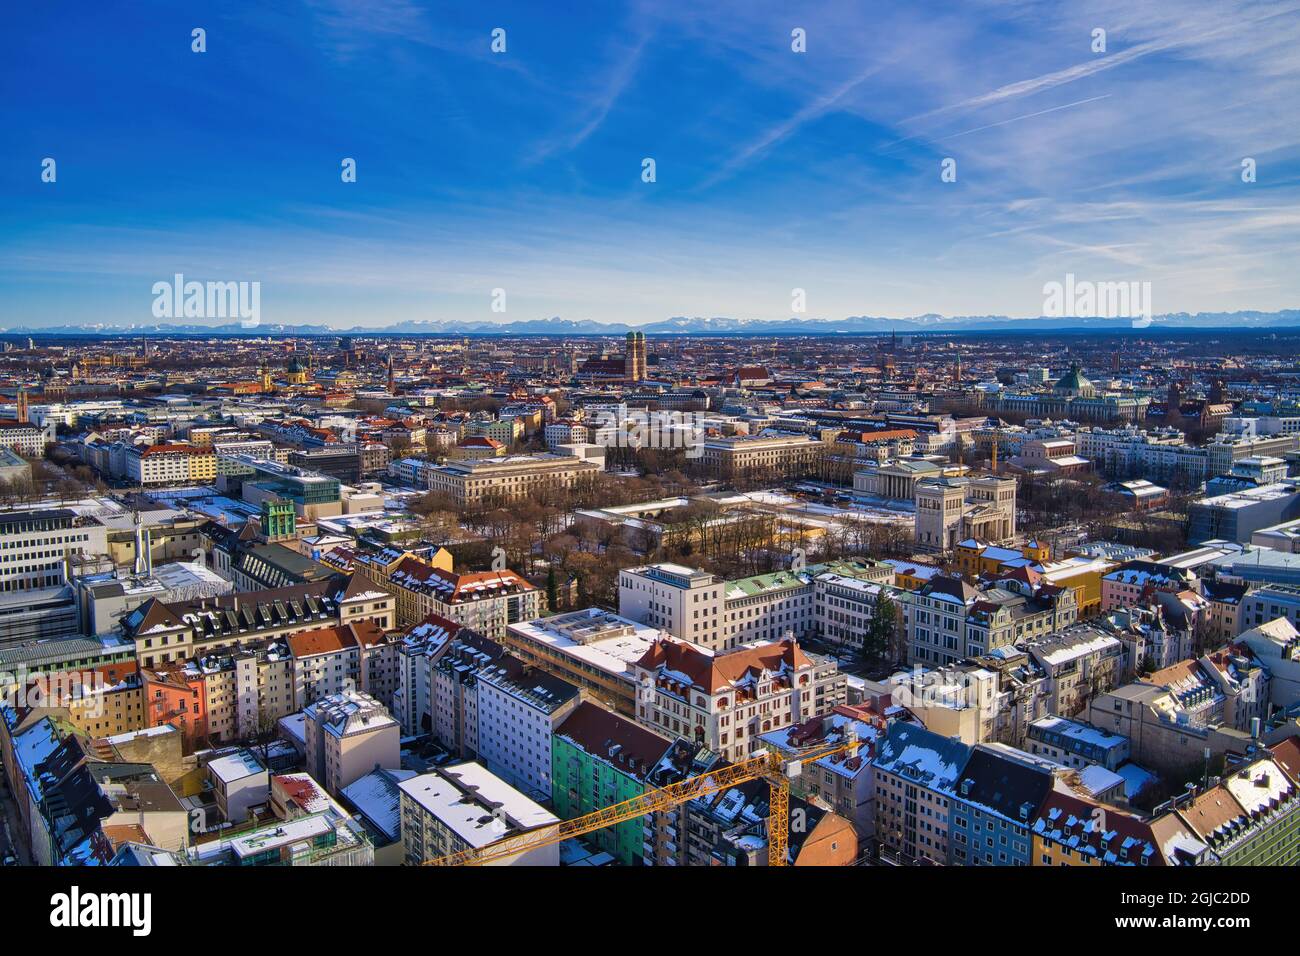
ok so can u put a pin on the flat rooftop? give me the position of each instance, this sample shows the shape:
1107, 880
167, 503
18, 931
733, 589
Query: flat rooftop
475, 804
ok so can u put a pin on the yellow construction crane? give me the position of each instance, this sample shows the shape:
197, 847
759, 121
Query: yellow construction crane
776, 769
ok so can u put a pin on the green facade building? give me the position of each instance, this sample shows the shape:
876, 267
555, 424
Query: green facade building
599, 759
279, 519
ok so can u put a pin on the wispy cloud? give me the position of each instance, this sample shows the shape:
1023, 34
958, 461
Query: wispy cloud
774, 134
627, 59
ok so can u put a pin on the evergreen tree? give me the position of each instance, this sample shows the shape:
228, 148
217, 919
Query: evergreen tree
880, 630
552, 591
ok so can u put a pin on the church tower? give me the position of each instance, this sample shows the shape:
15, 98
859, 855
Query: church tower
634, 360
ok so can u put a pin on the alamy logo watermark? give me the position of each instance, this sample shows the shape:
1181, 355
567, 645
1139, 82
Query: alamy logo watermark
920, 688
1084, 299
640, 428
82, 691
179, 299
76, 909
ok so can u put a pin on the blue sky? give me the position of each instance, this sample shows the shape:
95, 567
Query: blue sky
775, 170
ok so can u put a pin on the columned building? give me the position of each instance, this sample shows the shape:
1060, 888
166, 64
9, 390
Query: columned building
949, 510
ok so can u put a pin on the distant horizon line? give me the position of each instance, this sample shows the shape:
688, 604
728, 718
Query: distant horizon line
1165, 331
926, 323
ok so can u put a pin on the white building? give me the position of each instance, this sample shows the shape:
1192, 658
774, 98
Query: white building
34, 546
240, 782
518, 709
685, 602
467, 807
695, 606
726, 701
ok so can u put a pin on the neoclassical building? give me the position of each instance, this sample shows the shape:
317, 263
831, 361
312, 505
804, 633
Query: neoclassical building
1073, 397
949, 510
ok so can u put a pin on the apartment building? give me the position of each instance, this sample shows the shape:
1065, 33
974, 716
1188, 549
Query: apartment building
994, 805
916, 775
1079, 662
1226, 450
348, 735
239, 782
173, 632
728, 828
1070, 829
485, 601
170, 464
519, 708
1276, 645
725, 701
100, 700
467, 807
1225, 599
1160, 454
25, 438
1250, 818
326, 662
470, 483
845, 607
243, 690
948, 619
686, 602
453, 690
565, 433
965, 700
844, 782
1075, 744
1132, 581
600, 759
1174, 715
71, 795
418, 651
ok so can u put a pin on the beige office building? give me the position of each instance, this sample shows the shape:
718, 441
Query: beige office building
778, 455
510, 478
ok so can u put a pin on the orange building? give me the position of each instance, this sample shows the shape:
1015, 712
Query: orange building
175, 696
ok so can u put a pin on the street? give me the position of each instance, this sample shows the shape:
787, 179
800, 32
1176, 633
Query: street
10, 843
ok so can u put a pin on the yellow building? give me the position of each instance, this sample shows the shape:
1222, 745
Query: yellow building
911, 576
1072, 830
1083, 576
378, 568
105, 701
1080, 574
203, 466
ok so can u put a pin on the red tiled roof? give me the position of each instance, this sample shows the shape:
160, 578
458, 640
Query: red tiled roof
324, 640
1286, 754
715, 672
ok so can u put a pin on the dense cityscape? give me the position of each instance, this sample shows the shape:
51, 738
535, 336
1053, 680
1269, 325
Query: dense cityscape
463, 466
897, 600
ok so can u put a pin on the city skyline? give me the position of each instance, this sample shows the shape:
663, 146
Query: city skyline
522, 170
